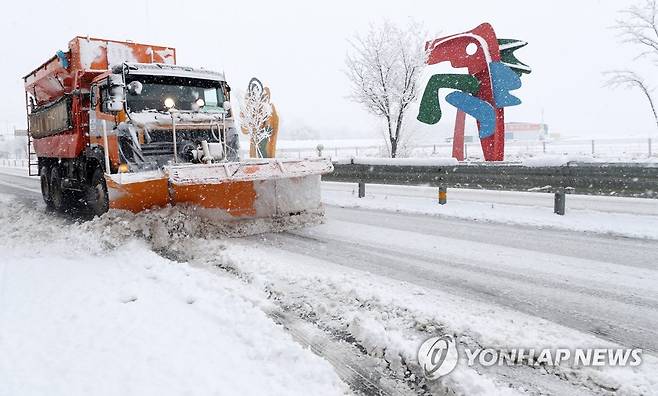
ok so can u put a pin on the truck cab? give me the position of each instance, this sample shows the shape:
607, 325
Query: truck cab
150, 115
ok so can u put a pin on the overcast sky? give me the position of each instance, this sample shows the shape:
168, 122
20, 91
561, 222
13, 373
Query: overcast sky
298, 49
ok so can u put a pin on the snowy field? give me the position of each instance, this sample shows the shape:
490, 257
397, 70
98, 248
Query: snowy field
640, 150
150, 304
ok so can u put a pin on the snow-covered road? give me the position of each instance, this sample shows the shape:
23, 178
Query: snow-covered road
382, 281
603, 285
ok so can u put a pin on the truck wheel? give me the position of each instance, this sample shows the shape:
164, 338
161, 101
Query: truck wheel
96, 198
45, 186
56, 193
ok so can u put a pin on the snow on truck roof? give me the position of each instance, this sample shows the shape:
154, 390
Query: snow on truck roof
94, 54
85, 59
161, 69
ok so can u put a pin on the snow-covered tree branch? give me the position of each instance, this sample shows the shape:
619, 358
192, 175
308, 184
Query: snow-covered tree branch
629, 79
383, 67
638, 26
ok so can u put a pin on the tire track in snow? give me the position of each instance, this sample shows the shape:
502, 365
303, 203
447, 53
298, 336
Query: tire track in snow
525, 294
599, 247
527, 379
357, 369
350, 364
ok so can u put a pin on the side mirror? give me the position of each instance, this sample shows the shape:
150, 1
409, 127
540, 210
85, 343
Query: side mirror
116, 90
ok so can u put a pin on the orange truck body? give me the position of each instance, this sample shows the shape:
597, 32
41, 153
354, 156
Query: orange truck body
73, 71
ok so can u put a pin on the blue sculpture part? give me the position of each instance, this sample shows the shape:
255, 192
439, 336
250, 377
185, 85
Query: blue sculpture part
62, 58
476, 108
504, 79
429, 111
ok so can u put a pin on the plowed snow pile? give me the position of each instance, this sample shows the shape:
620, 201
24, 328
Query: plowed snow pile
87, 309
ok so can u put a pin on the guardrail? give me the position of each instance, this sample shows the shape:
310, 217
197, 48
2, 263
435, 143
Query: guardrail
621, 179
632, 180
13, 163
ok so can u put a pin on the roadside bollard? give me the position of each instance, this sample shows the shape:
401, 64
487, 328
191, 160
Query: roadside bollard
560, 202
362, 189
443, 195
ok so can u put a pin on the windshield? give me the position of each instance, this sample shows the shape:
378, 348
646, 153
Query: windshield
183, 93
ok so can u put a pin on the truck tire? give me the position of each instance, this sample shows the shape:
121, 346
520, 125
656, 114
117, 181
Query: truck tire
44, 177
96, 197
57, 196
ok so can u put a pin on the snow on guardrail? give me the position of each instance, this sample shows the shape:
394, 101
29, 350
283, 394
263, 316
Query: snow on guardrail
546, 161
398, 161
565, 160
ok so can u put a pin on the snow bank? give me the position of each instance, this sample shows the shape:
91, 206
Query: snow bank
84, 313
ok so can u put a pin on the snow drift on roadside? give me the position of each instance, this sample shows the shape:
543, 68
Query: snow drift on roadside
84, 312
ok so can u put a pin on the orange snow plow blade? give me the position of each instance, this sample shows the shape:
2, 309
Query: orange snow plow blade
136, 192
267, 188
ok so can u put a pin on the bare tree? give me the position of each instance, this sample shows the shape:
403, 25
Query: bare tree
383, 67
638, 26
629, 79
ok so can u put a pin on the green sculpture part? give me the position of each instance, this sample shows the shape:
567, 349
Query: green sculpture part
430, 108
507, 56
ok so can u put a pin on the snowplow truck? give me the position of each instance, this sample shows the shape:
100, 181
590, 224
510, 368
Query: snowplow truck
119, 125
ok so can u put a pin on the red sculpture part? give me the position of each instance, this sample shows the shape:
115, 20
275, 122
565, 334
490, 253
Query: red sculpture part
458, 137
474, 50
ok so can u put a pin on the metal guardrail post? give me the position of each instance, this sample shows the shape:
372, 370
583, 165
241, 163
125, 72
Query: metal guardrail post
443, 195
560, 202
362, 189
592, 146
650, 154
